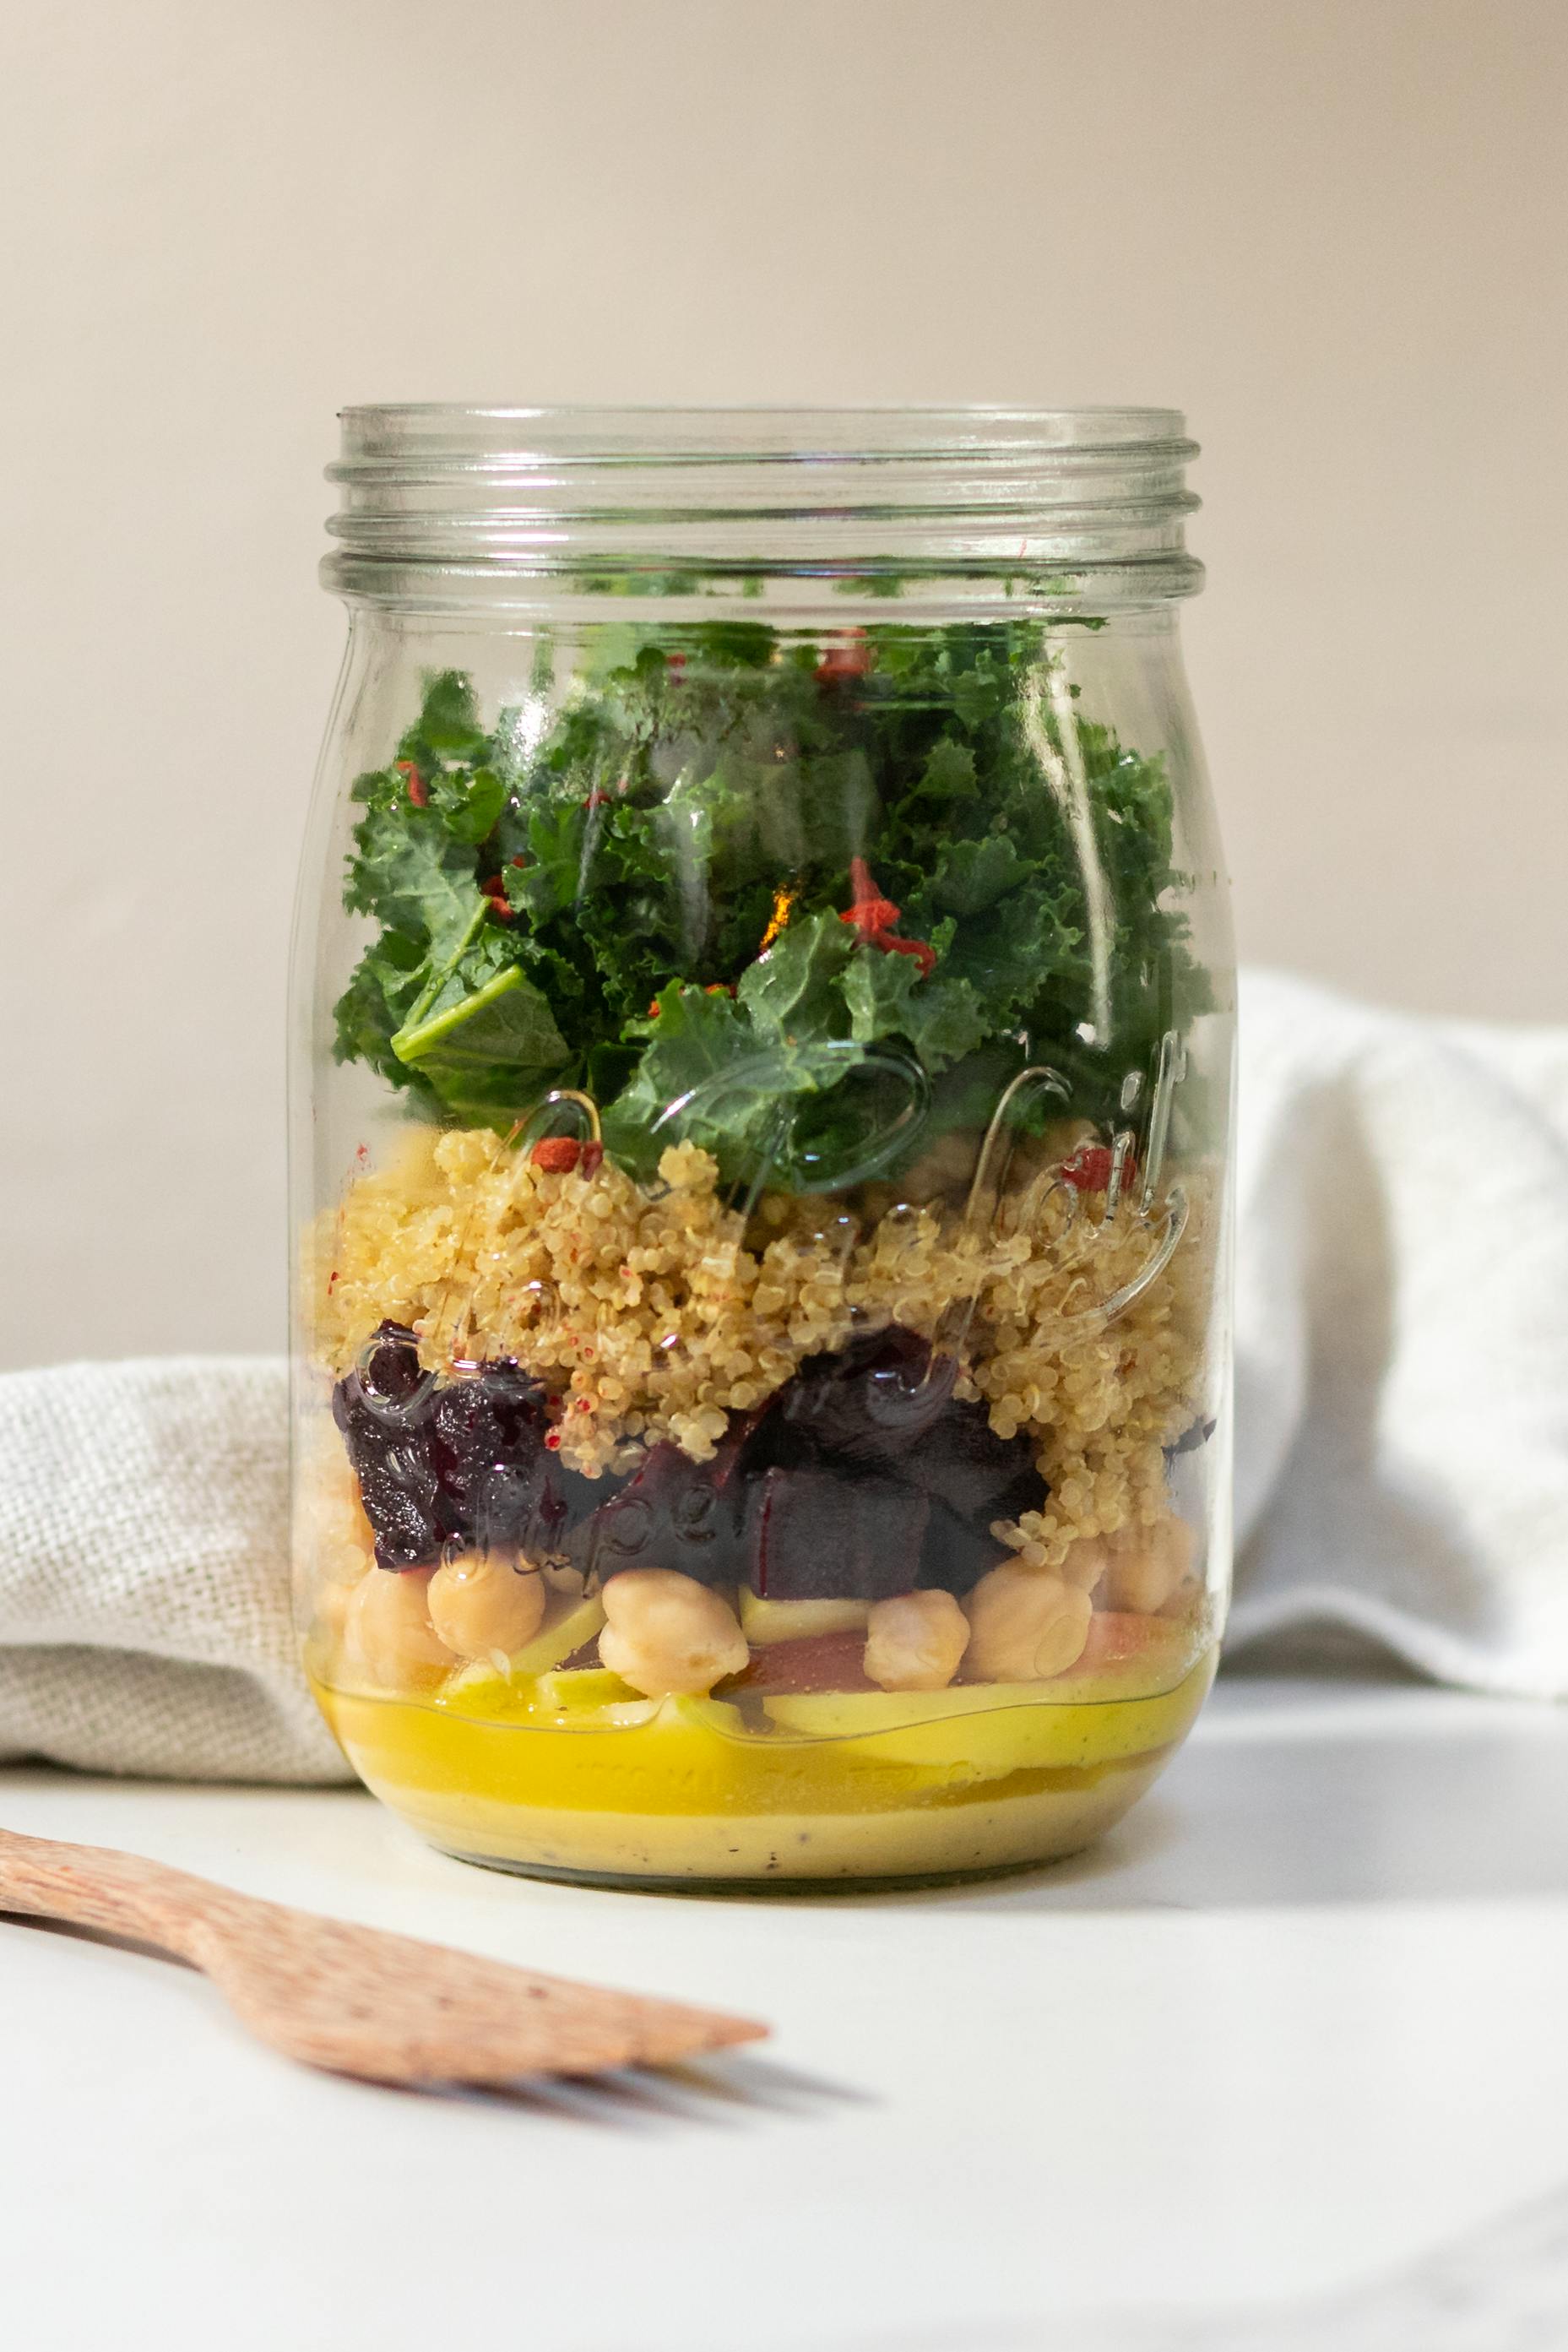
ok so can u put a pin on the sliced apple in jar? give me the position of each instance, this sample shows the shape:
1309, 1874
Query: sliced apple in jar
979, 1730
569, 1624
798, 1621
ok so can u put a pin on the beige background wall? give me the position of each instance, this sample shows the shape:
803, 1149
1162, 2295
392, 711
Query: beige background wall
1334, 232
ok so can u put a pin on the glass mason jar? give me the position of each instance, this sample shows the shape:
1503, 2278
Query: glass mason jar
762, 1049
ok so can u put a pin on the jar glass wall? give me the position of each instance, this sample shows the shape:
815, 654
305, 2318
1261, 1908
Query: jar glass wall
763, 1030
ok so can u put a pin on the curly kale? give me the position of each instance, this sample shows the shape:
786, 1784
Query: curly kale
744, 889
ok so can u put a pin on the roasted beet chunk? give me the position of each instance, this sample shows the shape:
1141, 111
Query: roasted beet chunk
389, 1374
963, 1463
673, 1513
879, 1418
486, 1438
870, 1403
862, 1476
814, 1535
957, 1552
382, 1409
972, 1478
458, 1462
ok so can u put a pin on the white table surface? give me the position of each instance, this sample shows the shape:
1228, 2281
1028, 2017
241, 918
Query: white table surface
1297, 2028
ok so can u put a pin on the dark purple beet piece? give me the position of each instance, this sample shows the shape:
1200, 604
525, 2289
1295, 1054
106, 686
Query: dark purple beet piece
486, 1441
389, 1373
882, 1414
382, 1408
672, 1513
460, 1462
957, 1551
962, 1462
860, 1476
870, 1403
815, 1536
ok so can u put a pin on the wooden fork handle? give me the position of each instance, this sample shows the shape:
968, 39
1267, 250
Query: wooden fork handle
123, 1893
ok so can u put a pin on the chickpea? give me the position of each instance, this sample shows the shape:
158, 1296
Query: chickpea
1087, 1562
333, 1602
337, 1529
664, 1632
1147, 1564
916, 1641
1025, 1625
486, 1605
388, 1634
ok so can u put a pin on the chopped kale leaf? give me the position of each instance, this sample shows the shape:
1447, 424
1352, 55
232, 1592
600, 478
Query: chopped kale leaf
735, 869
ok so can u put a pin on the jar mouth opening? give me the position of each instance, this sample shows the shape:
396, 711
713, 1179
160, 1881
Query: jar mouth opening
1074, 505
386, 434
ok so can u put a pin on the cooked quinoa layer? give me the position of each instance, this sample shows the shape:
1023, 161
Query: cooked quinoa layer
656, 1312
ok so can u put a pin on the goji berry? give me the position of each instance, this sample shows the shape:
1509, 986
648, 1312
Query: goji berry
1089, 1170
558, 1155
850, 658
873, 917
871, 912
926, 954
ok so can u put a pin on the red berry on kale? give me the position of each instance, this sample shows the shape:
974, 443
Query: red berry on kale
1089, 1170
558, 1155
919, 948
869, 912
416, 791
874, 917
850, 658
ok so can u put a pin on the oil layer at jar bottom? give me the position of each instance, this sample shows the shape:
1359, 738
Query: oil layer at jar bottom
680, 1798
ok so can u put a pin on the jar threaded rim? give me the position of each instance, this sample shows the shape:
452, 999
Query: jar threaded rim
1079, 505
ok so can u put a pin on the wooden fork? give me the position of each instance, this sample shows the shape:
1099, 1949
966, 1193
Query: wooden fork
353, 2000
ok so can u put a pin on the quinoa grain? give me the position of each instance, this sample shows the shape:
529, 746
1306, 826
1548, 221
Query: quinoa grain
661, 1311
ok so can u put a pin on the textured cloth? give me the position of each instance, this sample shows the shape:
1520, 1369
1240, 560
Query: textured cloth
1401, 1335
144, 1608
1401, 1421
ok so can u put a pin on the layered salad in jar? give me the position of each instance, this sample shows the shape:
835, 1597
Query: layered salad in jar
762, 1388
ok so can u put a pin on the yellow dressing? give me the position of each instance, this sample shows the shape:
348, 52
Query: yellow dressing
563, 1774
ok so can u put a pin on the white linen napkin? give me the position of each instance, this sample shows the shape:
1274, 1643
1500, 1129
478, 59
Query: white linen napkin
1401, 1335
1401, 1421
144, 1587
